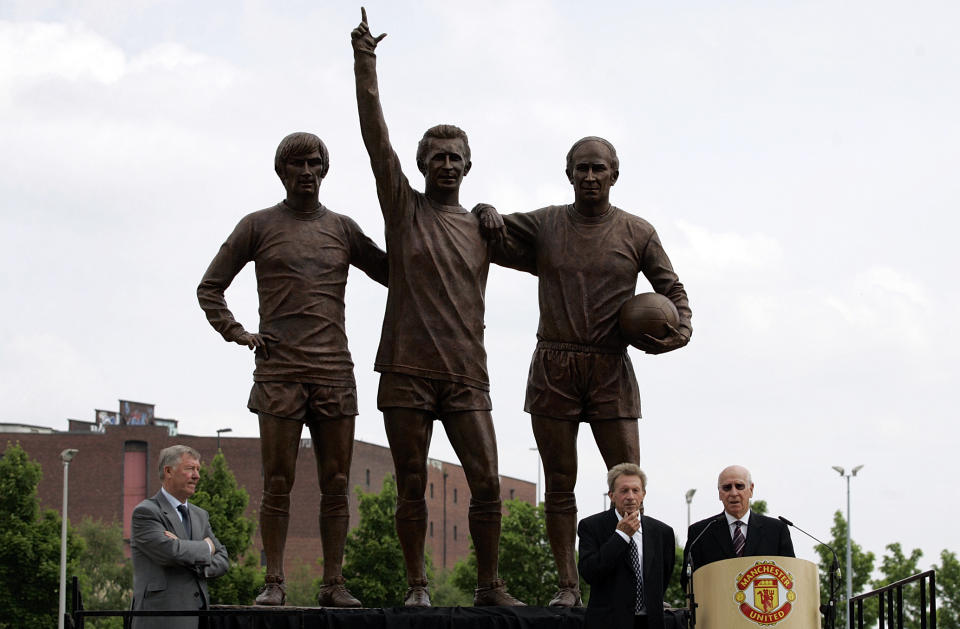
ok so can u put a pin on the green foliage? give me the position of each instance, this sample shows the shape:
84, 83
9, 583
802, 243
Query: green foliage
862, 567
445, 593
948, 591
225, 501
29, 546
526, 561
896, 566
302, 587
759, 506
674, 596
104, 572
373, 562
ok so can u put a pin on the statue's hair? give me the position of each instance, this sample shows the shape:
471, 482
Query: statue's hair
170, 457
441, 132
300, 143
626, 469
614, 160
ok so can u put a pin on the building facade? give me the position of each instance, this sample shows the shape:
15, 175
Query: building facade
116, 468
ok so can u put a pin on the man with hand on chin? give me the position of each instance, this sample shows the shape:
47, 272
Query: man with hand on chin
738, 531
627, 558
174, 550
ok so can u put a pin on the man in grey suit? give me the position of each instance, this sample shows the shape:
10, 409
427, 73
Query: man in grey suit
174, 551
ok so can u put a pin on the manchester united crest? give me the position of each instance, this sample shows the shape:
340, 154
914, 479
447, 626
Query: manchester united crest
765, 593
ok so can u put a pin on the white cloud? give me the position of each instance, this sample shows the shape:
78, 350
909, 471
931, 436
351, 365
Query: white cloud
70, 51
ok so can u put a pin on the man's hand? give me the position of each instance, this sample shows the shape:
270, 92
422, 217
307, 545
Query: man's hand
491, 223
210, 544
254, 342
653, 345
630, 523
170, 535
362, 40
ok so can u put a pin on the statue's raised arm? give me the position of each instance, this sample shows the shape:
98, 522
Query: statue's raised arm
373, 128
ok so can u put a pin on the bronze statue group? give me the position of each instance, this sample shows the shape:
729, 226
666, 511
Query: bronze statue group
587, 256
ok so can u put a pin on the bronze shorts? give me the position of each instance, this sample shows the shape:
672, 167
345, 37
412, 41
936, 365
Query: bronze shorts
398, 390
580, 383
301, 401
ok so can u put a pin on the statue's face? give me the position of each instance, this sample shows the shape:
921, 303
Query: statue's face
301, 174
445, 164
592, 175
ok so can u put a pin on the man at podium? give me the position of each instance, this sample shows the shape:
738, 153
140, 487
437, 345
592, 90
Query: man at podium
737, 532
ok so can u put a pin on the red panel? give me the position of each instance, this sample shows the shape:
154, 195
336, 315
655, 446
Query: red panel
134, 485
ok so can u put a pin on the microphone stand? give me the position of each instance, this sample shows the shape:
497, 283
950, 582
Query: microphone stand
688, 568
829, 610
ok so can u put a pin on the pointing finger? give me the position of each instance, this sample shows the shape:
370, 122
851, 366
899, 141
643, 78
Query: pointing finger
363, 15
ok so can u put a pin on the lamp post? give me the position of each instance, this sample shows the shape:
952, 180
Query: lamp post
843, 474
539, 464
689, 497
66, 456
219, 430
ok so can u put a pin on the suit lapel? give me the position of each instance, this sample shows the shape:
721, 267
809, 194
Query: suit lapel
754, 533
722, 536
171, 516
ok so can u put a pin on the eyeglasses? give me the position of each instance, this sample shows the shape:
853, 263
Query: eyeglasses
729, 486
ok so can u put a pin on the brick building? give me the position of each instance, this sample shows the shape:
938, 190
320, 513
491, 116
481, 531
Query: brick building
115, 469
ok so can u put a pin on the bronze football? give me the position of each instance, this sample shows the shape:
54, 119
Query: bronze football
647, 313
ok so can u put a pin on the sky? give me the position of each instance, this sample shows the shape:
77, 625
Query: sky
798, 160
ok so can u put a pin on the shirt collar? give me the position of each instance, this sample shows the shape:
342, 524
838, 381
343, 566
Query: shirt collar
173, 501
745, 519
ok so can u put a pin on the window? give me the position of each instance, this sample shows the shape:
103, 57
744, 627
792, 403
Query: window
431, 490
511, 494
454, 532
134, 480
454, 494
431, 529
368, 478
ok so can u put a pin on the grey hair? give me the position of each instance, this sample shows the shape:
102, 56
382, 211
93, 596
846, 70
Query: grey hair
170, 457
625, 469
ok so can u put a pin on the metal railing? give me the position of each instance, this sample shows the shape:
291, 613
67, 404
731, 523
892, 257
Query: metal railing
890, 603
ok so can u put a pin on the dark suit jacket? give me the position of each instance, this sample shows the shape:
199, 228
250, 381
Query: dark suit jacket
171, 574
604, 565
765, 536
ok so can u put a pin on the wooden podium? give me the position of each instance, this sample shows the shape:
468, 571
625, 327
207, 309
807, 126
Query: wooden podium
757, 592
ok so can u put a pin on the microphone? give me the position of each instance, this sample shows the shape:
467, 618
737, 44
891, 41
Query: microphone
827, 610
689, 559
836, 561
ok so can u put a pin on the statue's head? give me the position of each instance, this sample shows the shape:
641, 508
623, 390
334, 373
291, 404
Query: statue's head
301, 162
592, 168
443, 156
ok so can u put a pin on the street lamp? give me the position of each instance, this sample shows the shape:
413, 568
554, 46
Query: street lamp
843, 474
66, 456
219, 430
689, 498
539, 464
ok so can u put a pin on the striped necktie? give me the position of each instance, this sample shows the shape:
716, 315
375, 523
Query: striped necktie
638, 571
738, 541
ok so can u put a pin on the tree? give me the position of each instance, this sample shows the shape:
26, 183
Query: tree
526, 560
29, 546
759, 506
948, 591
373, 562
896, 566
104, 572
225, 501
862, 567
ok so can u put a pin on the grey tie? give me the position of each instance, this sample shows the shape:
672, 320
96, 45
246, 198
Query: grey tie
738, 540
186, 520
638, 571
